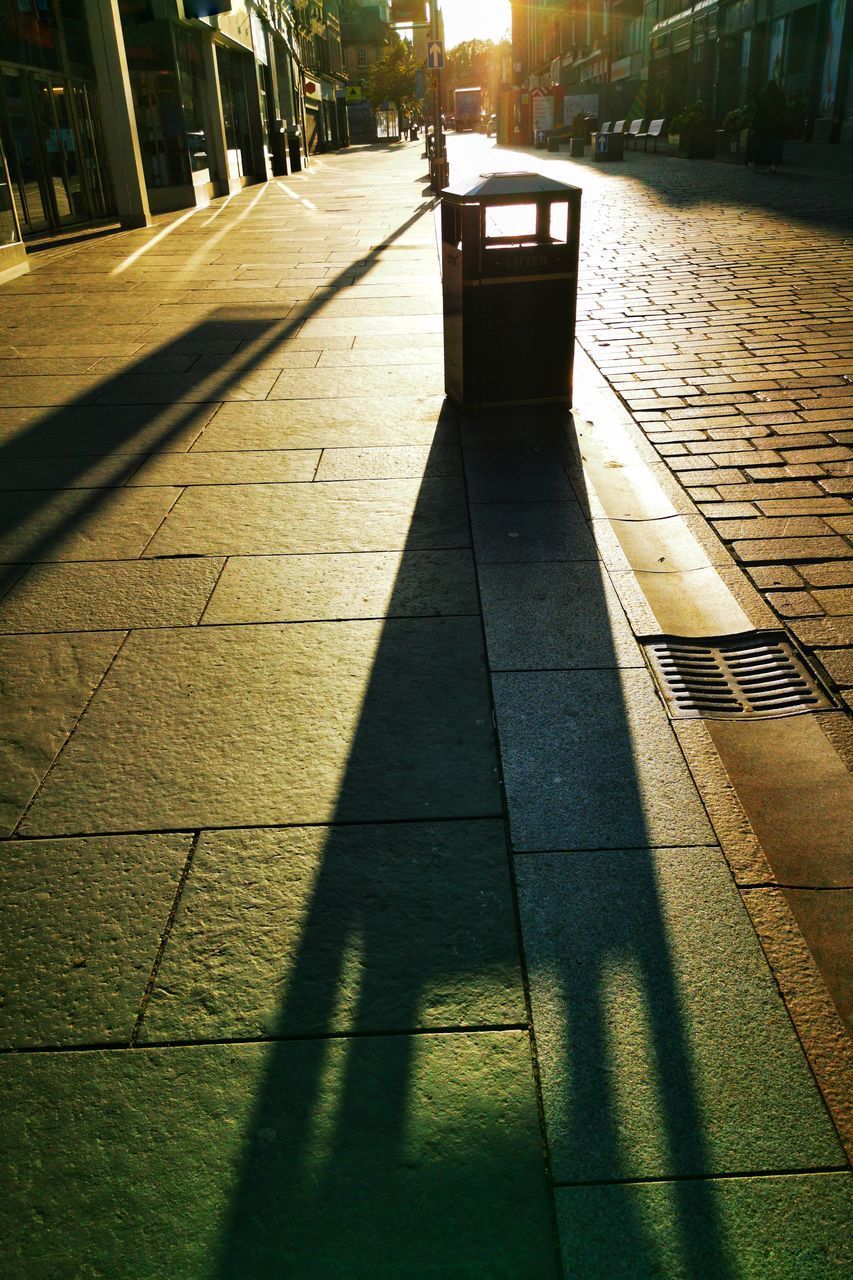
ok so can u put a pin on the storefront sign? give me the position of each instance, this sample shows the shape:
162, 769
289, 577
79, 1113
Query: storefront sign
259, 39
543, 110
579, 104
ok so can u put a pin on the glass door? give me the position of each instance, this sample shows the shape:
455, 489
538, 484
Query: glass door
23, 153
53, 146
60, 162
92, 151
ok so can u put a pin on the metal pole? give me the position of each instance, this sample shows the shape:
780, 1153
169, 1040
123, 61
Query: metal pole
439, 169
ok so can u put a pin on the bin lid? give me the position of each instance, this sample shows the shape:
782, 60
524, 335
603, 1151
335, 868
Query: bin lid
500, 188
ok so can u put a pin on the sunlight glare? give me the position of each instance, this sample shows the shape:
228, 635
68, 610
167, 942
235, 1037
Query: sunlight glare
475, 20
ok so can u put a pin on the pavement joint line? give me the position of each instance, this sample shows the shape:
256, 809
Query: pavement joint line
496, 1028
180, 491
264, 826
785, 884
609, 849
16, 829
200, 622
164, 939
243, 622
826, 1170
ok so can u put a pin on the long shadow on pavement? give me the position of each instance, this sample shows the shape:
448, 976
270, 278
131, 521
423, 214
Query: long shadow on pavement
104, 436
388, 1138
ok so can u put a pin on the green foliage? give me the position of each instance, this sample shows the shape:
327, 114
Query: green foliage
740, 118
689, 118
392, 78
476, 62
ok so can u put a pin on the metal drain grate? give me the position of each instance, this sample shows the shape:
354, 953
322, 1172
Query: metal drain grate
759, 674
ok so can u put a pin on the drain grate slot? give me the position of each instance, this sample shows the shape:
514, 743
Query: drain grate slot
730, 677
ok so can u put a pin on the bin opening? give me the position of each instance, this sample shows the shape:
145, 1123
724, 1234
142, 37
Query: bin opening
525, 225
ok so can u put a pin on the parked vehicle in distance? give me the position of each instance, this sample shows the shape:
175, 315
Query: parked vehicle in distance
468, 108
492, 126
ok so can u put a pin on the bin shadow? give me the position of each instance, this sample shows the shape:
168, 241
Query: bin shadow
353, 1189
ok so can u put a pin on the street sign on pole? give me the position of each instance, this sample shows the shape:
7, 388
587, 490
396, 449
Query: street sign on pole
435, 55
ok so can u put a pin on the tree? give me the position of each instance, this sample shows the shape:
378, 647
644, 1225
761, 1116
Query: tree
393, 77
476, 62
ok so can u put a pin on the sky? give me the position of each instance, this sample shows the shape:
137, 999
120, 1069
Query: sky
475, 20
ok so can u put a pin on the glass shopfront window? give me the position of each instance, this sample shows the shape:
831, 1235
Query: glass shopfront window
233, 71
193, 91
49, 118
8, 224
29, 35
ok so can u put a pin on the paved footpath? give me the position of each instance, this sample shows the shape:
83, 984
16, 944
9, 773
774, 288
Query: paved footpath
363, 916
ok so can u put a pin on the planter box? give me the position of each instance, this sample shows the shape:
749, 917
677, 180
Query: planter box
732, 146
695, 143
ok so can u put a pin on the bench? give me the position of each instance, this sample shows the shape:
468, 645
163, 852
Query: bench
619, 126
605, 128
634, 133
656, 130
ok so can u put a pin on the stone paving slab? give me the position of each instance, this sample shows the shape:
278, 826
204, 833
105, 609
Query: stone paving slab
554, 615
82, 925
389, 463
507, 532
590, 762
312, 588
81, 524
280, 466
769, 1228
662, 1045
98, 431
524, 476
826, 918
367, 380
171, 388
47, 682
69, 472
358, 722
319, 424
106, 596
345, 929
359, 515
337, 1147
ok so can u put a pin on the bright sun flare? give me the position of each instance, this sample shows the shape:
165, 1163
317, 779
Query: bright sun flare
475, 20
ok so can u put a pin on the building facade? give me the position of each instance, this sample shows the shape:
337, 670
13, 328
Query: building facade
627, 58
123, 108
365, 28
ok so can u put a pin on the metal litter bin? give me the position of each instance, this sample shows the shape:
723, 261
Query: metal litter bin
608, 146
509, 279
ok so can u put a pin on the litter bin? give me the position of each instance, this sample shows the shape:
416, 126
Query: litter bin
608, 146
294, 150
509, 279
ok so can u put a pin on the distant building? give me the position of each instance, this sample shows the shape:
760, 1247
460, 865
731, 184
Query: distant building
364, 32
629, 58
